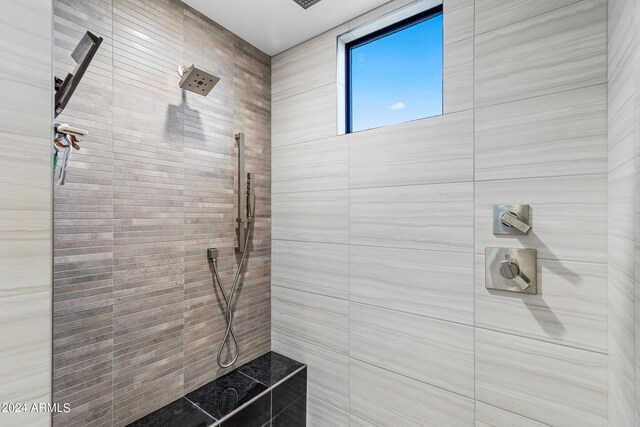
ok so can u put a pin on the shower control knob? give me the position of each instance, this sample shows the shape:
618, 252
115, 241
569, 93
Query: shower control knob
510, 219
510, 270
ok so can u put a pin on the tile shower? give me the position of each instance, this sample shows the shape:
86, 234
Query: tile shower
367, 265
378, 280
137, 322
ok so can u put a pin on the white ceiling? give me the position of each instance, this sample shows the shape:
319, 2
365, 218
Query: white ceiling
276, 25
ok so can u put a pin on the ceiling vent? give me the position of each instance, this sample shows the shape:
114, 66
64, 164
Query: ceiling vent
306, 4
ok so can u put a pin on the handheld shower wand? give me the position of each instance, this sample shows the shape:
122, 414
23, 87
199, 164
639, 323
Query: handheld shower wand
246, 211
244, 214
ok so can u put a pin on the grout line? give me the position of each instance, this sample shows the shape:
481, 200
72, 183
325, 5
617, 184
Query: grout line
249, 376
304, 396
514, 413
473, 60
412, 378
199, 408
466, 181
347, 299
493, 104
530, 178
485, 328
113, 214
511, 334
255, 398
369, 246
359, 245
436, 319
631, 160
349, 273
50, 288
430, 251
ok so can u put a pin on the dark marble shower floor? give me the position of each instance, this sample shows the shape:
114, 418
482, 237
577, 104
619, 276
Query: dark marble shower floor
268, 391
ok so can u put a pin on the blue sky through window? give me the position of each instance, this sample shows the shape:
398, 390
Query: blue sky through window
398, 77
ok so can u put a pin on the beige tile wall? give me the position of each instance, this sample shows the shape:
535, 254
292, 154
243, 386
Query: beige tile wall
26, 115
137, 318
386, 228
624, 213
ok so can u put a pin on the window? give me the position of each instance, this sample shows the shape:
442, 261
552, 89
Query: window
394, 74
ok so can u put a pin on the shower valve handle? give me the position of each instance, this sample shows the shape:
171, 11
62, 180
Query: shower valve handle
511, 220
510, 270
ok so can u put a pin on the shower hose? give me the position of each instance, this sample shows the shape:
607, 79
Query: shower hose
228, 301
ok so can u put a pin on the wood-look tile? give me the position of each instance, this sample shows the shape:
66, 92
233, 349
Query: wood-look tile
209, 126
209, 44
434, 284
458, 20
622, 18
310, 317
637, 345
490, 416
377, 13
25, 351
311, 166
457, 76
306, 116
433, 150
327, 371
308, 66
414, 217
145, 201
554, 314
622, 114
313, 267
143, 363
622, 346
384, 398
83, 232
558, 134
510, 65
318, 216
321, 413
550, 383
580, 198
432, 351
621, 201
493, 14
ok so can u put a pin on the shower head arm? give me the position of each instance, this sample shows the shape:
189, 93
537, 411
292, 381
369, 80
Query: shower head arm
182, 69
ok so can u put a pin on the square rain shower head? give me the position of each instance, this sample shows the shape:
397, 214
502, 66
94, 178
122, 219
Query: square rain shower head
197, 80
306, 4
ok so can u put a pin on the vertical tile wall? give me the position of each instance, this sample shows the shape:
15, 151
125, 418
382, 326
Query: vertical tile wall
379, 236
624, 212
26, 115
137, 319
